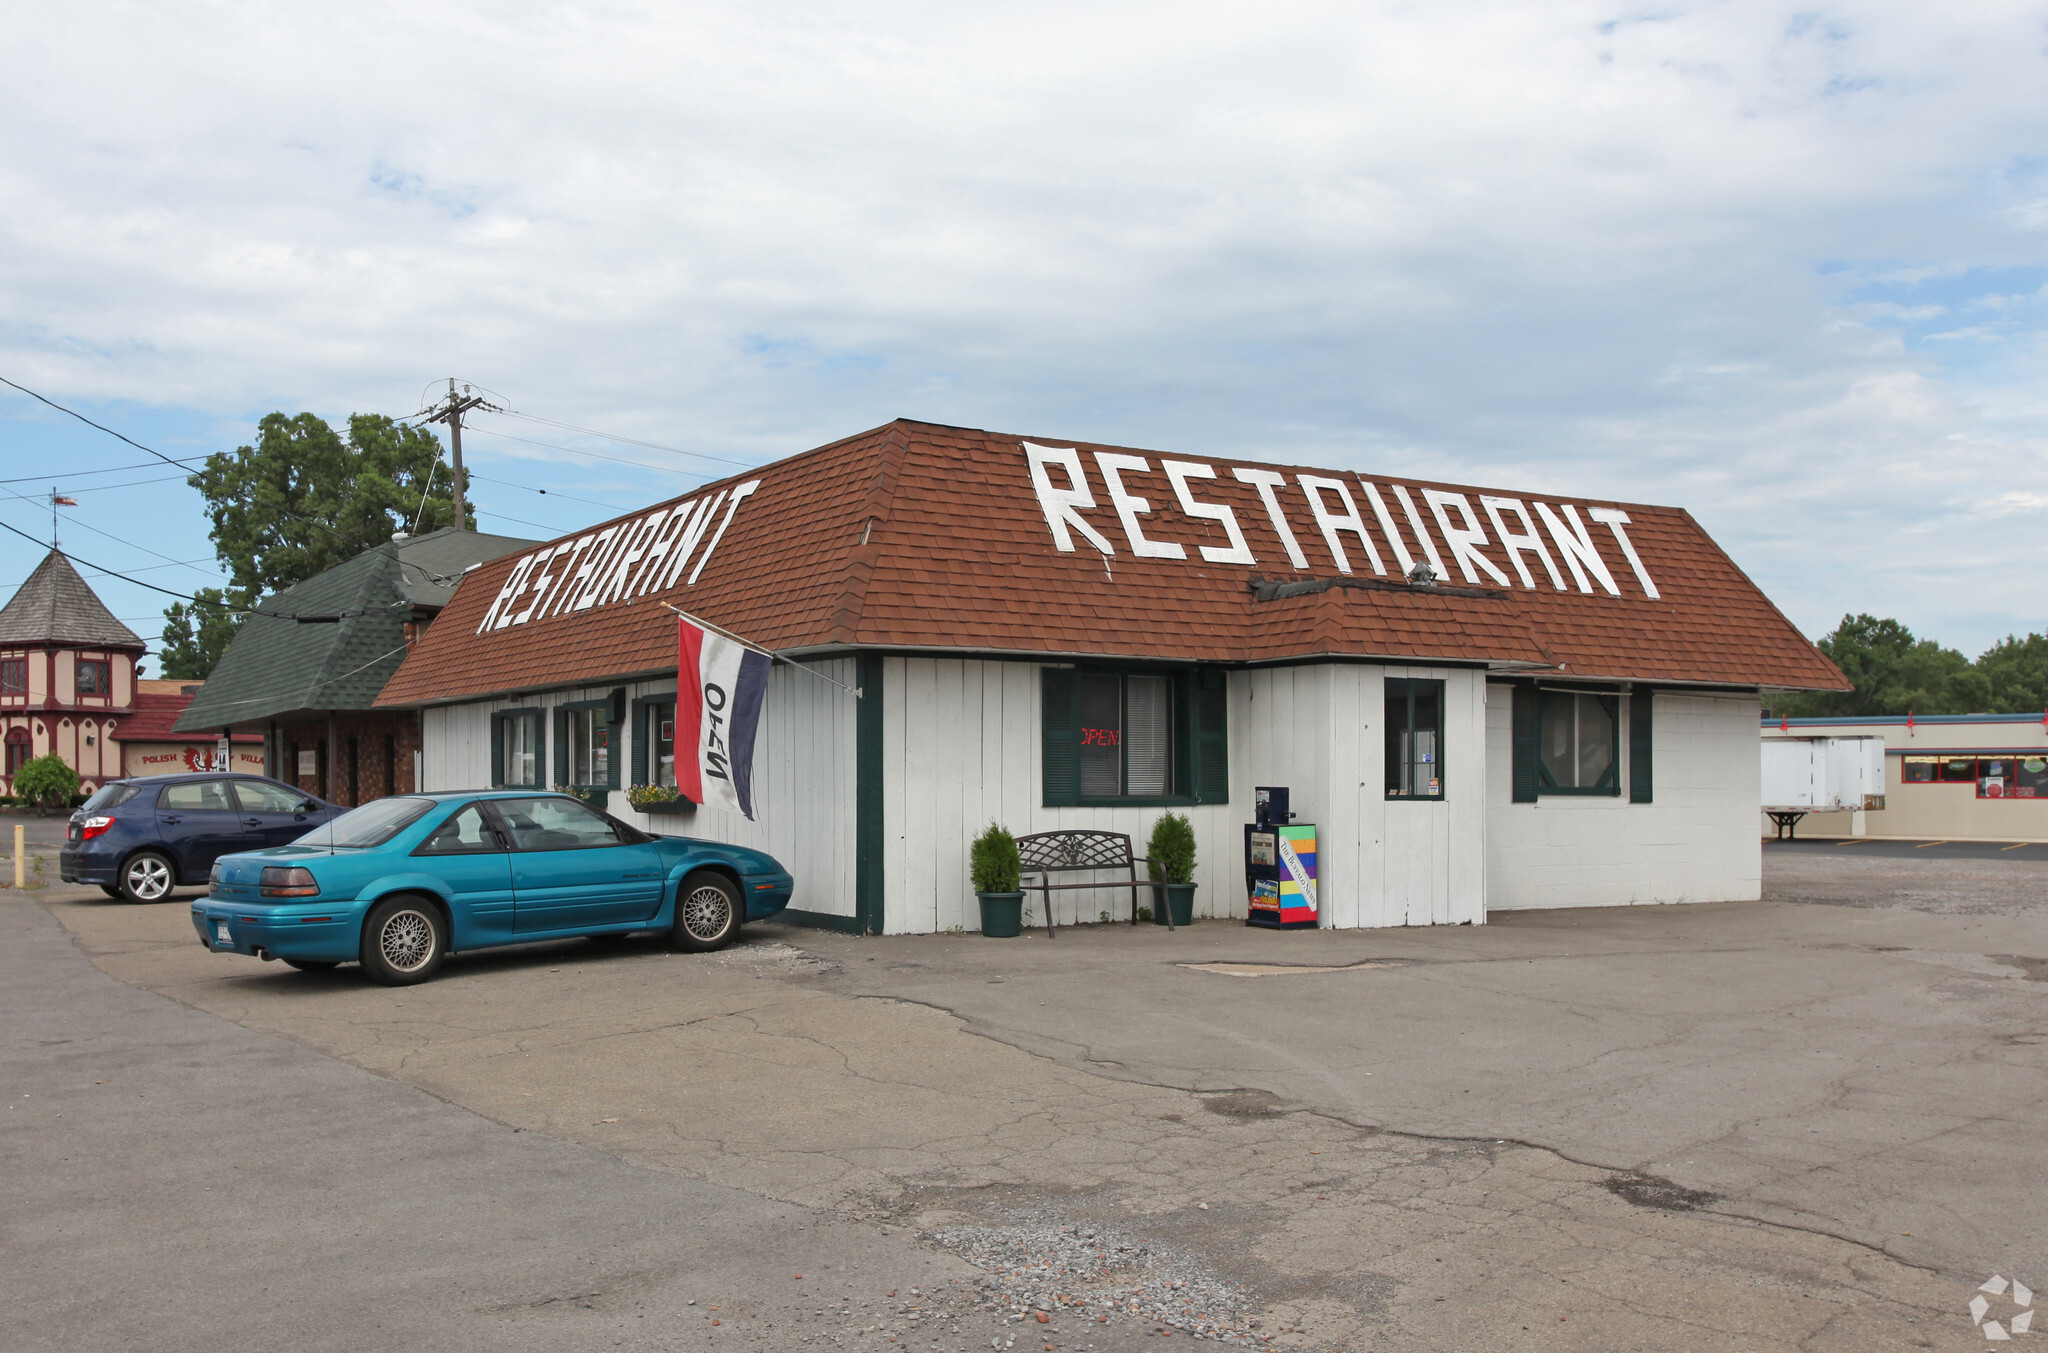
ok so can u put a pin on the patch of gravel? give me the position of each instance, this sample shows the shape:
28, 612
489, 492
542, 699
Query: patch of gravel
1041, 1271
775, 957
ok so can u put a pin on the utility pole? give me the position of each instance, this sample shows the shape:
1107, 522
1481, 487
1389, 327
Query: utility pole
450, 411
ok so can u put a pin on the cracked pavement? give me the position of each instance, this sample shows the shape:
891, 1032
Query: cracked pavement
1746, 1126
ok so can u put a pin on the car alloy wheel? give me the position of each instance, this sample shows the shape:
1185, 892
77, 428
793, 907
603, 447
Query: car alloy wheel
146, 878
707, 913
406, 941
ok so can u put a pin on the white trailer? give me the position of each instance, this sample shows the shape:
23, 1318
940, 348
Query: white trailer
1821, 775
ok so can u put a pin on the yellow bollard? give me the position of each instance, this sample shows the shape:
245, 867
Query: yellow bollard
20, 856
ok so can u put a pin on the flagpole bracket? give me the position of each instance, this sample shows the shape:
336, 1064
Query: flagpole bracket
766, 653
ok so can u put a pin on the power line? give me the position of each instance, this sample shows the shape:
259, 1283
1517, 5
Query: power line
630, 441
536, 525
110, 536
594, 455
94, 573
125, 484
304, 618
168, 460
111, 469
151, 568
89, 423
316, 685
550, 493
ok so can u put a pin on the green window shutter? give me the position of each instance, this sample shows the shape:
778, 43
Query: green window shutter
1212, 736
615, 750
1183, 735
637, 741
1060, 730
869, 781
540, 748
1640, 706
1527, 743
561, 748
497, 749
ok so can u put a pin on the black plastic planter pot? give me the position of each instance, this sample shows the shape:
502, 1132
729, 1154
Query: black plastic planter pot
1180, 897
1002, 915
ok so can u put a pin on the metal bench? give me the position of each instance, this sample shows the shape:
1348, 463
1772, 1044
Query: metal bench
1048, 853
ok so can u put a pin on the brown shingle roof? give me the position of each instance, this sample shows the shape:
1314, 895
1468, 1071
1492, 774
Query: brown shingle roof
916, 536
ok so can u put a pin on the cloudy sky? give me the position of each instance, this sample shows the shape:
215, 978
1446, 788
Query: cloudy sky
1786, 266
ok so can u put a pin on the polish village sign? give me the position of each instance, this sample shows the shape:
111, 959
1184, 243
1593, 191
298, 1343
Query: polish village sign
1335, 514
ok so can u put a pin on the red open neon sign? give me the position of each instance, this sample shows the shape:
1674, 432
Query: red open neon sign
1101, 737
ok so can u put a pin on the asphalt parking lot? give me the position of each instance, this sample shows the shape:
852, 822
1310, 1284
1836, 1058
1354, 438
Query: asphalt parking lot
1903, 849
1800, 1123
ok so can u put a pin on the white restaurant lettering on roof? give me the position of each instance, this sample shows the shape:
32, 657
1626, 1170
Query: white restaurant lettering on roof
648, 554
1466, 537
624, 560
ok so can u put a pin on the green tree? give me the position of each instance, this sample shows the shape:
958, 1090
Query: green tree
2017, 670
195, 636
1894, 673
297, 502
46, 782
302, 500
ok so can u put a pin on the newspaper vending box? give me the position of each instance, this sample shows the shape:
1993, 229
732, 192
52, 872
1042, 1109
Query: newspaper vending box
1279, 865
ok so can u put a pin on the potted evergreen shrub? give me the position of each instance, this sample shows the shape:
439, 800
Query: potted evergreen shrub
998, 871
1172, 867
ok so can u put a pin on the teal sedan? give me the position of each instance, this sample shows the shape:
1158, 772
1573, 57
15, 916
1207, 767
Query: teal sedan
401, 883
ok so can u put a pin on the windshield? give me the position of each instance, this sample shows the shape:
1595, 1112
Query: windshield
110, 796
370, 825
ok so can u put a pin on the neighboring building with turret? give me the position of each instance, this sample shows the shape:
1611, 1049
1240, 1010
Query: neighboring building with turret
71, 683
67, 675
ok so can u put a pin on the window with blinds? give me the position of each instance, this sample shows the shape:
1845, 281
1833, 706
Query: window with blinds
1135, 737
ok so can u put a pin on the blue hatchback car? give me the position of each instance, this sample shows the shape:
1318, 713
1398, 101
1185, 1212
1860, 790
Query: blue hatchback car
141, 838
399, 884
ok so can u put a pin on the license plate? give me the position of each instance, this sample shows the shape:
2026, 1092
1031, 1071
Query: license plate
220, 933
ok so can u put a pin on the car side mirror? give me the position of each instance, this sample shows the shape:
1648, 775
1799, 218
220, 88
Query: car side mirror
309, 807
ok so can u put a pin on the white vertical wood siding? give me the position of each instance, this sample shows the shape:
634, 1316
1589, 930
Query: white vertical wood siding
961, 742
962, 747
803, 774
1697, 842
1319, 730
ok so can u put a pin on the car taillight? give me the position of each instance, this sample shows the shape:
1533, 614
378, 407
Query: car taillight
93, 826
281, 882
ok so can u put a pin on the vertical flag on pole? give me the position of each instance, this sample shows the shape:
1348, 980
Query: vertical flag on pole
720, 686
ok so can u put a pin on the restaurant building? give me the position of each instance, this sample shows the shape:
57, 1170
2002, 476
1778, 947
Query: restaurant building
1483, 700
